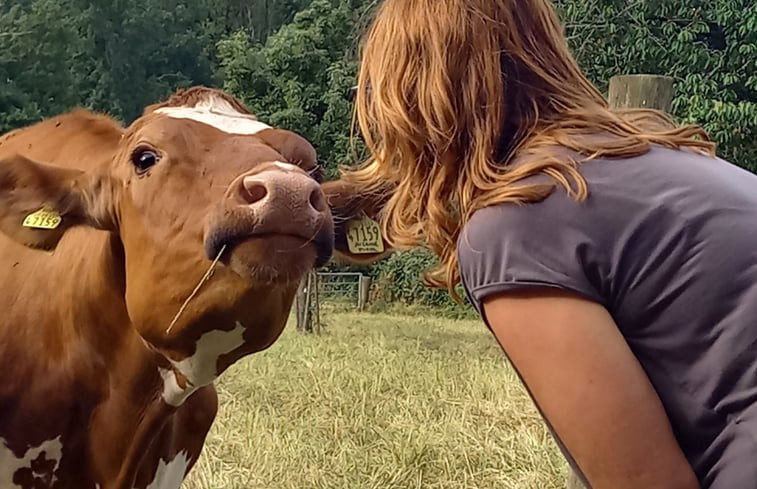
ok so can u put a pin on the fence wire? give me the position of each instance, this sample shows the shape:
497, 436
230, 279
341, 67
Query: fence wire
343, 287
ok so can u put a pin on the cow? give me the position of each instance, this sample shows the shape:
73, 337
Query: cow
139, 263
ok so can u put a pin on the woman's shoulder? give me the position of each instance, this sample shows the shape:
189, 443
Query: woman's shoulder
515, 246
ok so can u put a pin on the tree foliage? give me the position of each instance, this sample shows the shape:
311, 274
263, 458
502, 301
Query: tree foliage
709, 48
298, 78
116, 56
398, 280
292, 60
37, 62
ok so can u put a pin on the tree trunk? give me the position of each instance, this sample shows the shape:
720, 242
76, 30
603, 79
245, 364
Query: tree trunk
364, 288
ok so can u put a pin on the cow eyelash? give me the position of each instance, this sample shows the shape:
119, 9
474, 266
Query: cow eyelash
316, 173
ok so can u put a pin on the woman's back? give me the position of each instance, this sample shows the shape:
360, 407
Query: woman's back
667, 242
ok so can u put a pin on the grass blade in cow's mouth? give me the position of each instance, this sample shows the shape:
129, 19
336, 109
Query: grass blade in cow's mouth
272, 257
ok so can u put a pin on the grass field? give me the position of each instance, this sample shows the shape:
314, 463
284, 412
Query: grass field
378, 401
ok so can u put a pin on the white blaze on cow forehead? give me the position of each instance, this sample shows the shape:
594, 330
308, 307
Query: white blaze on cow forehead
10, 464
170, 475
218, 113
201, 368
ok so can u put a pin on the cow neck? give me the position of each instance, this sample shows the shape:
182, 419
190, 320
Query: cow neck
101, 273
99, 280
78, 289
96, 278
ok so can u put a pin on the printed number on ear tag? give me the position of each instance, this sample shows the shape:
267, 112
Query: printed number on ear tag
364, 236
44, 218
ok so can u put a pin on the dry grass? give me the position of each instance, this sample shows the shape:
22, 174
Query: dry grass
378, 401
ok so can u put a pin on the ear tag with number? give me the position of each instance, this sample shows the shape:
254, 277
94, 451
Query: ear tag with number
364, 236
45, 218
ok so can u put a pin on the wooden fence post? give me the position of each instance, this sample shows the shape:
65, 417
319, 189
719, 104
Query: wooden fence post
307, 310
641, 91
364, 288
299, 302
316, 303
635, 92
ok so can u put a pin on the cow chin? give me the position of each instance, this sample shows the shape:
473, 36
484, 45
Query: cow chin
272, 259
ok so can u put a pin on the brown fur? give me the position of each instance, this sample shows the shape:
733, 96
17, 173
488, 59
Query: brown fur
190, 97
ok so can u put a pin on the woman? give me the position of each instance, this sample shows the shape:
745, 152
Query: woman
613, 256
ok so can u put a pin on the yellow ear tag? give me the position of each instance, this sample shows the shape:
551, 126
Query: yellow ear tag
364, 236
44, 218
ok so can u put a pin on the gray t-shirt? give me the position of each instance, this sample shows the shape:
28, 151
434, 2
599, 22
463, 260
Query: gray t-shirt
667, 242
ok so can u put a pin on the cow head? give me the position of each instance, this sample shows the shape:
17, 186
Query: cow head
219, 217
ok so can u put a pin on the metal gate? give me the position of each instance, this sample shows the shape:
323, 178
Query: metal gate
344, 287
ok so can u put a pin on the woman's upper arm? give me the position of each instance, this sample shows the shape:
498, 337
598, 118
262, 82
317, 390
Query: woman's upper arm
592, 389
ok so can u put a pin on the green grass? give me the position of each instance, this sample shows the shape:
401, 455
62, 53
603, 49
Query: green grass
378, 401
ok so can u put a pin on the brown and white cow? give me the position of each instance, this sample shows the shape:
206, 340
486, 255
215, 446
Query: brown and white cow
111, 332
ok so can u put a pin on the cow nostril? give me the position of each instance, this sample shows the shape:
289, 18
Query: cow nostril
253, 191
317, 200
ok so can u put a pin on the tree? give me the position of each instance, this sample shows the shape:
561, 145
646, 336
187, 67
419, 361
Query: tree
292, 60
36, 61
259, 18
116, 57
139, 52
299, 77
710, 48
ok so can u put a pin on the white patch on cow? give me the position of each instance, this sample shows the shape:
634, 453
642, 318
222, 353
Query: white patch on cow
10, 463
201, 368
173, 394
285, 166
170, 475
217, 113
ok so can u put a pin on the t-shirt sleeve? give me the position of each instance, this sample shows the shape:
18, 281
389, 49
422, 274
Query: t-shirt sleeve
513, 247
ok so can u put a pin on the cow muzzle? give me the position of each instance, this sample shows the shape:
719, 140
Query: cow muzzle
274, 219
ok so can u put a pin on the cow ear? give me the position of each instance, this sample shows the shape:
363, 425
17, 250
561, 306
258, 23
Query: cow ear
358, 238
39, 202
294, 148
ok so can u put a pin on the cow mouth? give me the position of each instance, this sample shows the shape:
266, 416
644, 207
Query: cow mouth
271, 256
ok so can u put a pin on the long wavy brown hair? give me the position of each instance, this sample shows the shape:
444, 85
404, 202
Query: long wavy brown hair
450, 92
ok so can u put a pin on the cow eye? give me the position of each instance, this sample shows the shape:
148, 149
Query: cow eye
144, 159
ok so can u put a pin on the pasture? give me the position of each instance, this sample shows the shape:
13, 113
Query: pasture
378, 401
